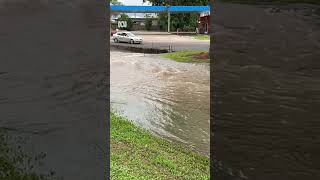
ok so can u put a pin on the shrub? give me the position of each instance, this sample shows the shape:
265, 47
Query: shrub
148, 24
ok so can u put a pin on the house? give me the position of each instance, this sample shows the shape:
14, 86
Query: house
204, 23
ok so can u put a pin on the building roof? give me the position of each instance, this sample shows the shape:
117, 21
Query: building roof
205, 13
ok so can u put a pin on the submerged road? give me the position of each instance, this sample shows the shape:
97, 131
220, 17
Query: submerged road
267, 86
52, 87
167, 97
160, 40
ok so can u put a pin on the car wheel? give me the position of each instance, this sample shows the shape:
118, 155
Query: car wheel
116, 40
131, 41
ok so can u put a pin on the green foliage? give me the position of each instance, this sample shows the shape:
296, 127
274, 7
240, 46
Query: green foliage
125, 17
273, 1
201, 37
16, 165
148, 24
115, 2
181, 21
138, 154
163, 21
188, 56
179, 2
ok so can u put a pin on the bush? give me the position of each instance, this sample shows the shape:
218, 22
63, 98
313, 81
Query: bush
148, 24
189, 29
185, 22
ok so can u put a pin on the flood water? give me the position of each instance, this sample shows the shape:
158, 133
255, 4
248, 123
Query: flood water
169, 98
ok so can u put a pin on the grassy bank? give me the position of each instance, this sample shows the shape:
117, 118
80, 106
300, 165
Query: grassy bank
201, 37
273, 1
191, 56
15, 164
136, 154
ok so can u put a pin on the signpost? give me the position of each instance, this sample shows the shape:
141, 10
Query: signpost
122, 24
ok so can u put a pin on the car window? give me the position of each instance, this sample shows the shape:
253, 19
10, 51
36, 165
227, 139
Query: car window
130, 35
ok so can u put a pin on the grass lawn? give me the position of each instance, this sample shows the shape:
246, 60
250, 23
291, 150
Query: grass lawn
10, 172
192, 56
201, 37
137, 154
12, 162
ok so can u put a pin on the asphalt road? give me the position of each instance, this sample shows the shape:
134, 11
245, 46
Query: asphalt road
164, 40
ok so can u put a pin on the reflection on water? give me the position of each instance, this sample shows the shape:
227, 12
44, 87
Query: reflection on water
167, 97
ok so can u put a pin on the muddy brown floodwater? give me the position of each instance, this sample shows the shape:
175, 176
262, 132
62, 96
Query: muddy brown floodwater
266, 91
169, 98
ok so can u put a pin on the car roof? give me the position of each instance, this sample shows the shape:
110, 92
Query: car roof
125, 32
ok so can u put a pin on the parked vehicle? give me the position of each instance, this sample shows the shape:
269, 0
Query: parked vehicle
126, 37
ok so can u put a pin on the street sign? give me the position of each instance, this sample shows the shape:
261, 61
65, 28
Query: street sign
122, 24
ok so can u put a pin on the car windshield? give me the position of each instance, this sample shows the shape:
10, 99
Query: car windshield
130, 34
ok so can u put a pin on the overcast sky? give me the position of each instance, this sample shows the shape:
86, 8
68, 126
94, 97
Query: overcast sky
133, 2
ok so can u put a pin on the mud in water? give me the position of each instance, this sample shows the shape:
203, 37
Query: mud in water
169, 98
53, 84
266, 91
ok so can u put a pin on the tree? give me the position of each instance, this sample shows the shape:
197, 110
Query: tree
178, 2
148, 24
183, 21
125, 17
115, 2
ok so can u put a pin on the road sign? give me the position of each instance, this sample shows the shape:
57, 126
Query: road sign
122, 24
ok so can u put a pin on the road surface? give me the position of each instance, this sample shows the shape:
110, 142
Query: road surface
162, 40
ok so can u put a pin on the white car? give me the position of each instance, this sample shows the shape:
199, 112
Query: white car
126, 37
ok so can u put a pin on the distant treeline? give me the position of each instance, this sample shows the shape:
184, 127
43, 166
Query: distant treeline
273, 1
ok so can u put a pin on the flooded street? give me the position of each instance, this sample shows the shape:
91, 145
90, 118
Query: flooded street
267, 86
169, 98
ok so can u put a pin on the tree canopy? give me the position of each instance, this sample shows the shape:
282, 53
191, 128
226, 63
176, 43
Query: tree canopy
178, 2
125, 17
182, 21
115, 2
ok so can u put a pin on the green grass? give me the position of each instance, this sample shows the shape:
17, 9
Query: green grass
274, 1
189, 56
15, 164
201, 37
137, 154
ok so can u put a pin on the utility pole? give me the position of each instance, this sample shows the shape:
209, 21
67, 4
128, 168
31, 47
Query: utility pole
169, 19
169, 16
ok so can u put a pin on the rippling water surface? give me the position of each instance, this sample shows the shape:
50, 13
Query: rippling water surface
169, 98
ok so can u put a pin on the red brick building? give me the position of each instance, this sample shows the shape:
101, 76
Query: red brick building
204, 23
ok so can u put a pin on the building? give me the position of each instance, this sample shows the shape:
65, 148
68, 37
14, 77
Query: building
204, 23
